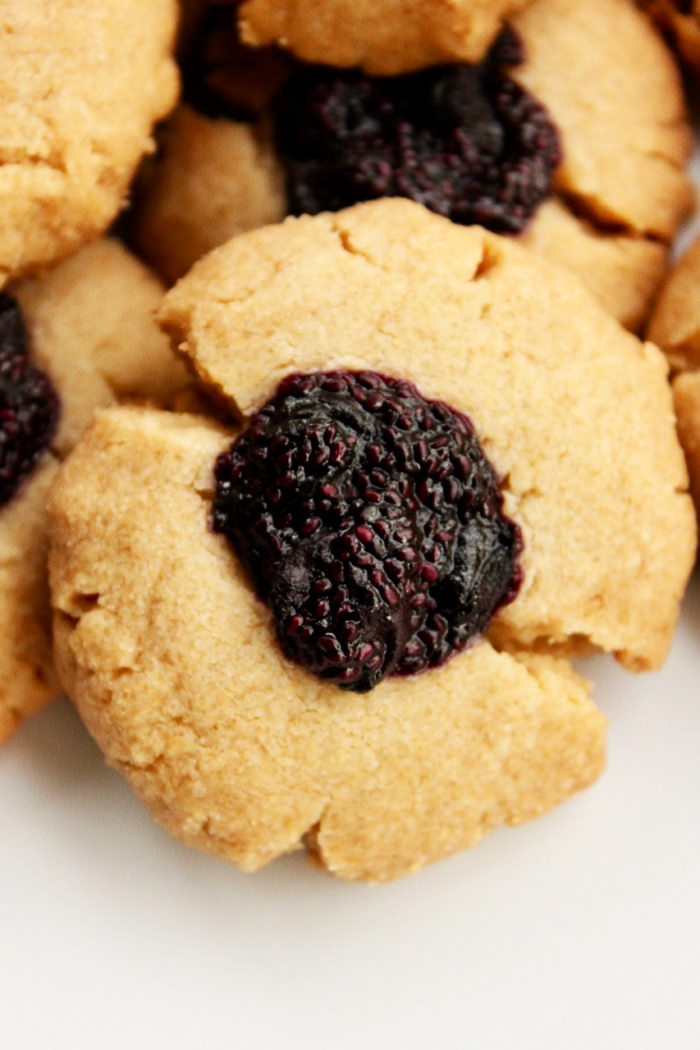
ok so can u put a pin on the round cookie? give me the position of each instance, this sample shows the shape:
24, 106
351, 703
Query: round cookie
90, 328
238, 750
615, 202
675, 327
81, 86
383, 38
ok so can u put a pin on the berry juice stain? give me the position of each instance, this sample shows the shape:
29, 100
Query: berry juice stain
370, 520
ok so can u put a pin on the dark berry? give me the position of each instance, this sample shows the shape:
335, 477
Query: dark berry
370, 520
464, 140
29, 406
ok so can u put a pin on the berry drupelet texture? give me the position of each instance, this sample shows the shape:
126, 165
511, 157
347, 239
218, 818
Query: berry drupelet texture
29, 407
371, 522
464, 140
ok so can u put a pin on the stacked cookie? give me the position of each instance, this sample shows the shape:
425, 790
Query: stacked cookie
579, 154
82, 335
400, 465
675, 326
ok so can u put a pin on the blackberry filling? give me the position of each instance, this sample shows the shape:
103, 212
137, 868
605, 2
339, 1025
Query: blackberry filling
464, 140
371, 523
29, 407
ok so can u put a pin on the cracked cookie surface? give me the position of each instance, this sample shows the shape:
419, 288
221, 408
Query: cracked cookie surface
172, 659
81, 86
618, 195
381, 36
91, 330
237, 750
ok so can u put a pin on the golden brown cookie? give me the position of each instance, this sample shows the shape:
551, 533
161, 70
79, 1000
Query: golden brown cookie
686, 397
81, 86
621, 116
239, 750
675, 323
384, 38
211, 179
675, 327
615, 202
622, 270
284, 318
90, 328
682, 19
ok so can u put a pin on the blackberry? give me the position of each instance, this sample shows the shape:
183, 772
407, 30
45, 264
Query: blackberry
29, 407
370, 520
464, 140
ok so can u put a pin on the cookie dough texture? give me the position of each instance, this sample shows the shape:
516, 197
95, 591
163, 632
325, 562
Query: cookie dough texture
212, 178
686, 396
625, 137
91, 323
81, 85
675, 323
620, 111
619, 195
622, 271
172, 660
675, 327
382, 36
91, 327
390, 287
235, 749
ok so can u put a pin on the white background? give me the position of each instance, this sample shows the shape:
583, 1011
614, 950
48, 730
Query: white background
578, 931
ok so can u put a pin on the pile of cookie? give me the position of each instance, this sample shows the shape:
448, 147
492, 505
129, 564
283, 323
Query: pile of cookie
327, 435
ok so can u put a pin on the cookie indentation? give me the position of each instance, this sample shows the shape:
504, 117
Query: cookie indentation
464, 140
371, 522
29, 406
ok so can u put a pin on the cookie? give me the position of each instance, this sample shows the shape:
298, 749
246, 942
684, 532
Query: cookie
622, 271
88, 329
257, 752
681, 18
675, 322
382, 38
675, 327
81, 86
603, 192
210, 180
686, 397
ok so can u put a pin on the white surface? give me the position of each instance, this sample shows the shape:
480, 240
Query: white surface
580, 931
577, 931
